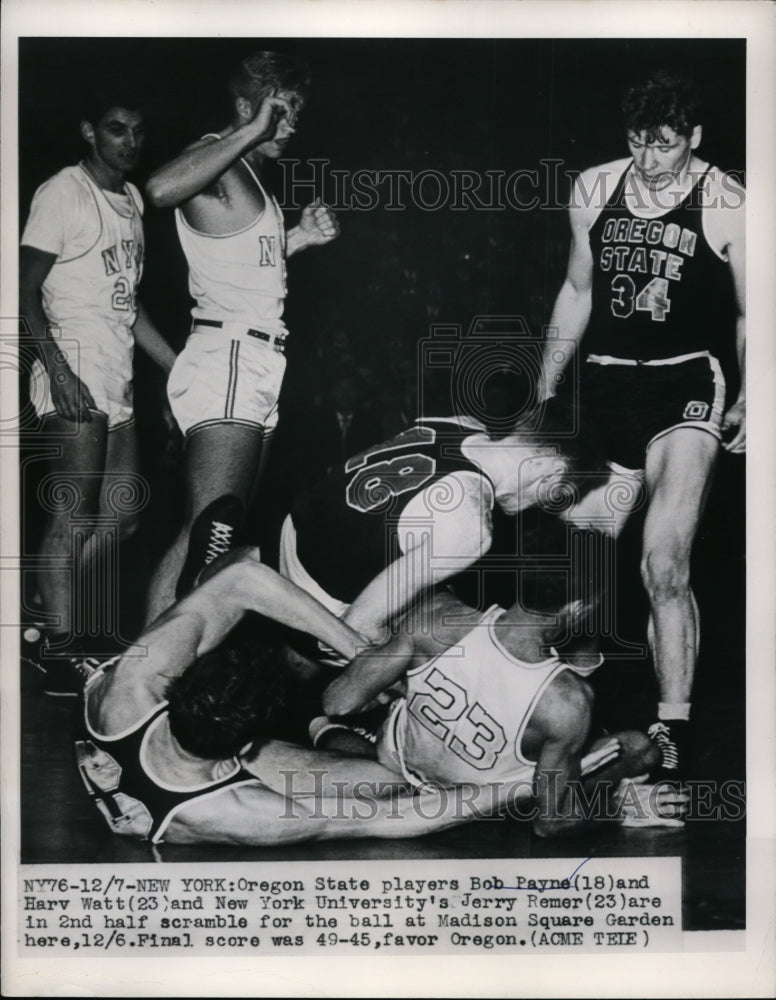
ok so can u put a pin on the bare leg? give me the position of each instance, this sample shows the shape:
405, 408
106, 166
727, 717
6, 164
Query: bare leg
220, 459
679, 469
71, 499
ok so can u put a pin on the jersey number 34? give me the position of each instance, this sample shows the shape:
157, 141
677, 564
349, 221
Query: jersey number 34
653, 297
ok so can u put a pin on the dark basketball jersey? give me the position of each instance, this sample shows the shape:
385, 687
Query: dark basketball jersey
132, 801
659, 289
346, 526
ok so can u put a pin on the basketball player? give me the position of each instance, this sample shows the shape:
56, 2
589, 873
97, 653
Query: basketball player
80, 264
487, 701
657, 257
173, 743
224, 388
411, 512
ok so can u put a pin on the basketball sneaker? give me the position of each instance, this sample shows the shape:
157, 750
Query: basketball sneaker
670, 738
212, 535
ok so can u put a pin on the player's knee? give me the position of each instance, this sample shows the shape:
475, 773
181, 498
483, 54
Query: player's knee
665, 572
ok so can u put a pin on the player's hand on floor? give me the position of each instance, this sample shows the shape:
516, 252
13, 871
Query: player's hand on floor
643, 804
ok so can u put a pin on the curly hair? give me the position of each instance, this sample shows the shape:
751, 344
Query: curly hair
234, 695
664, 98
264, 73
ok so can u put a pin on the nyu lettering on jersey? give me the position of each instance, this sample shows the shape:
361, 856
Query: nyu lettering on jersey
347, 525
659, 288
90, 293
239, 277
466, 711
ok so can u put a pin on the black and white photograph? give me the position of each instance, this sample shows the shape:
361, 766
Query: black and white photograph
387, 499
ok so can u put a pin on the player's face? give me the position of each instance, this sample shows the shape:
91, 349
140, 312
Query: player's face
117, 139
662, 157
532, 476
275, 147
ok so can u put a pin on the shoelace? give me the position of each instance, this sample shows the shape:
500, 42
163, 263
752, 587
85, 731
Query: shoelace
220, 540
660, 734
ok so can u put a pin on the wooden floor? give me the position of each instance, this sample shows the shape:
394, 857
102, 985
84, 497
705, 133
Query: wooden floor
59, 825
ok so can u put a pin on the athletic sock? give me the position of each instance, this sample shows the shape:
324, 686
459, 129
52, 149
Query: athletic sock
668, 711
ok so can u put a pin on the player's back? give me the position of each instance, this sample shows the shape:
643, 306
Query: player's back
466, 712
347, 525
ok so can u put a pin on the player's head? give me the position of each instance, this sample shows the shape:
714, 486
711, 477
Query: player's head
662, 123
552, 463
228, 698
270, 74
112, 124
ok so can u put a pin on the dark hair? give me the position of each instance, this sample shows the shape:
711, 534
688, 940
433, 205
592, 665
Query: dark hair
265, 73
561, 563
109, 91
227, 698
663, 98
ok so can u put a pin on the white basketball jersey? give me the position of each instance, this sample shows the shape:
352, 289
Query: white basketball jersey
90, 291
466, 711
239, 277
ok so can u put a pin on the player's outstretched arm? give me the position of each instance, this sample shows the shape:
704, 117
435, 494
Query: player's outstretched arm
734, 421
201, 620
203, 162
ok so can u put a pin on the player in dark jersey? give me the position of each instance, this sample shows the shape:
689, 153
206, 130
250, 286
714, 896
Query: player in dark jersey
174, 737
409, 513
657, 256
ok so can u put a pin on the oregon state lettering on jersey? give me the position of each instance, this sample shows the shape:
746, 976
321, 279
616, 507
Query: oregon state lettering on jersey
347, 525
659, 288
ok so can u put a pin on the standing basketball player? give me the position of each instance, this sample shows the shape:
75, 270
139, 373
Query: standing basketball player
80, 263
657, 259
224, 389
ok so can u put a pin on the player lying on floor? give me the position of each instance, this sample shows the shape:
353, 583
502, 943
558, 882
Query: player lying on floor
487, 701
174, 742
411, 512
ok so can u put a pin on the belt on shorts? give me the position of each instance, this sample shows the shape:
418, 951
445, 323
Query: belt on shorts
276, 341
607, 359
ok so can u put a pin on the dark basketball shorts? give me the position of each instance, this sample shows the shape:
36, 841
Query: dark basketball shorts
631, 404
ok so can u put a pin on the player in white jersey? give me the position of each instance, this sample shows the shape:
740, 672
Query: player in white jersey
81, 261
225, 385
488, 702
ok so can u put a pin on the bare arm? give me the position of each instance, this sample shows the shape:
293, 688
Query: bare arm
571, 312
203, 162
151, 341
735, 419
71, 397
202, 619
370, 673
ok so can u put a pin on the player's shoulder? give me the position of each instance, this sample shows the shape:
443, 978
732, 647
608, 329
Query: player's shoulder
595, 185
722, 189
70, 182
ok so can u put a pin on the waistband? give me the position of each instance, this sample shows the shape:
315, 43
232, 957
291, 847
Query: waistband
276, 341
607, 359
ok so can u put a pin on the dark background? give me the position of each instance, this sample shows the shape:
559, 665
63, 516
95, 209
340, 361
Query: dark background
363, 303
